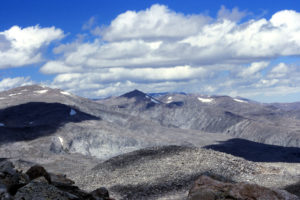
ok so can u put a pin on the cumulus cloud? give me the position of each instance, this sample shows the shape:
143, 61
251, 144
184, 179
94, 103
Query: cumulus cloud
279, 71
253, 69
161, 49
261, 39
157, 22
8, 83
20, 46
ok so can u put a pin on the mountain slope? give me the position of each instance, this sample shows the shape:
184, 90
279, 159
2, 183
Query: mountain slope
167, 172
54, 121
236, 117
123, 142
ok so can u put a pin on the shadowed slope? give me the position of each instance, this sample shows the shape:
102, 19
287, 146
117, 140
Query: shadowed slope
257, 152
35, 119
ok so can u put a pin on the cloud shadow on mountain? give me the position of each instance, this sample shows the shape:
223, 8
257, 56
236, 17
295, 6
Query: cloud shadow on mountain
257, 152
36, 119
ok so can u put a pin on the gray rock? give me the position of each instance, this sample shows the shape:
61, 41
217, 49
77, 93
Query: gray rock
206, 188
4, 195
101, 193
7, 167
39, 189
11, 178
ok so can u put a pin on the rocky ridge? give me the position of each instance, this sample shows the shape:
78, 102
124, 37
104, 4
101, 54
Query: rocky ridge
38, 184
237, 117
35, 117
168, 172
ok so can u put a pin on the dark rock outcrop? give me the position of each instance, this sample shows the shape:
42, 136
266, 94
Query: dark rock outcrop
38, 171
207, 188
101, 193
37, 183
10, 179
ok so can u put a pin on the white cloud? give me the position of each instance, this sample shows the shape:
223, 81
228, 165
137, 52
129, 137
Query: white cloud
251, 40
267, 82
279, 71
58, 67
158, 50
138, 75
154, 23
8, 83
253, 69
233, 15
19, 47
89, 24
219, 42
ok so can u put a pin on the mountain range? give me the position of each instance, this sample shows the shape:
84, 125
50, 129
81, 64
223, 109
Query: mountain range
42, 125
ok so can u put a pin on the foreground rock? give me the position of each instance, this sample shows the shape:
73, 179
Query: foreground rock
38, 184
207, 188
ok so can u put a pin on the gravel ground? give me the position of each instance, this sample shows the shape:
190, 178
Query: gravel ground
168, 172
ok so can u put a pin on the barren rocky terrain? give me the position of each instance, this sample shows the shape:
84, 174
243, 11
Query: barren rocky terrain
150, 147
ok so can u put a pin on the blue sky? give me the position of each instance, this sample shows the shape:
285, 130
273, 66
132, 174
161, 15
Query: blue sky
101, 48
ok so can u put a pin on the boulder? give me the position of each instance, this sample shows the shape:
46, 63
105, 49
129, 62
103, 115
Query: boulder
10, 178
101, 194
38, 184
207, 188
7, 167
38, 171
39, 189
61, 182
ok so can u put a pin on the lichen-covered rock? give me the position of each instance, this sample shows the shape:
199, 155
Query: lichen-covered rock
206, 188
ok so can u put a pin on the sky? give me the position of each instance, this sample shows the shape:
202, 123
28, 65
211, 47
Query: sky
97, 48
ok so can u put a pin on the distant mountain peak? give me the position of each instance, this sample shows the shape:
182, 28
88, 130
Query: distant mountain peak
134, 94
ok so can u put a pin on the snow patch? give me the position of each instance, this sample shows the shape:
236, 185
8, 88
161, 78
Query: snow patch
170, 99
240, 101
2, 98
205, 100
66, 93
41, 91
14, 94
73, 112
61, 140
1, 124
154, 101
